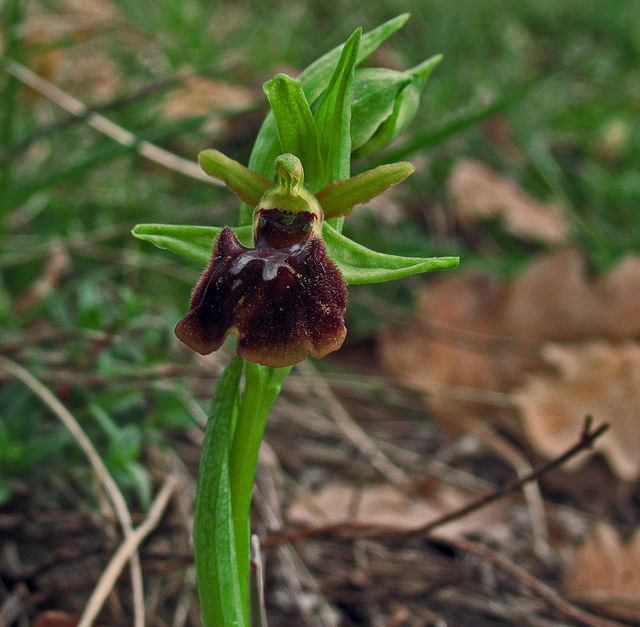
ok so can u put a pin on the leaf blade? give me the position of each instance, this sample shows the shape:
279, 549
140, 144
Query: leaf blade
333, 116
213, 536
315, 79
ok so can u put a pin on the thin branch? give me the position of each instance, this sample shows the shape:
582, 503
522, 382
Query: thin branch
106, 126
118, 501
586, 440
566, 608
74, 118
125, 552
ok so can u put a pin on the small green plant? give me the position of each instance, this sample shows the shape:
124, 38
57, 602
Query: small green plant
277, 281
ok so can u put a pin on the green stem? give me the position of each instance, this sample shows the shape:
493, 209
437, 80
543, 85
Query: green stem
262, 386
213, 533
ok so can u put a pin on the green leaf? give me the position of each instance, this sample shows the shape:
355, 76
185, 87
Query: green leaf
261, 387
339, 198
213, 534
374, 95
316, 76
359, 264
244, 183
465, 119
192, 242
333, 117
315, 79
404, 110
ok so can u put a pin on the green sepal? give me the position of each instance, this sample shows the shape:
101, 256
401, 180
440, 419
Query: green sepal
404, 110
340, 197
192, 242
244, 183
333, 117
359, 264
296, 125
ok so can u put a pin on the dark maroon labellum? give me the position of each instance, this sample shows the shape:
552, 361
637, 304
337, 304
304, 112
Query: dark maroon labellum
284, 302
281, 229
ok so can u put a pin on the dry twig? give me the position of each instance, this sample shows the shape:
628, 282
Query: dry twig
354, 433
586, 440
124, 553
106, 126
567, 609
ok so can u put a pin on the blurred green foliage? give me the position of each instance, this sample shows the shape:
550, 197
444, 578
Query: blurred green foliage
561, 79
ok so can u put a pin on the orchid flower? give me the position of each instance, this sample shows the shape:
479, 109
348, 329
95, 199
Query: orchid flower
278, 281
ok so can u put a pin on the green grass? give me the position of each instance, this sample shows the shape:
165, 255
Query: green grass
563, 77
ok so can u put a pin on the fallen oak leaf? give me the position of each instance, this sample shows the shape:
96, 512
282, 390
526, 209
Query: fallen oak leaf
385, 506
478, 193
600, 379
604, 573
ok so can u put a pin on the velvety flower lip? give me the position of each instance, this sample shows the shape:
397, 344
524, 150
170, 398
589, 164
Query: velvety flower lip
276, 228
283, 303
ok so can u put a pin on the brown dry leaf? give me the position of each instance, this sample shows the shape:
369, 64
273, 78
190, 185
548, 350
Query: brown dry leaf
476, 339
203, 96
552, 299
478, 193
605, 574
555, 299
385, 505
82, 67
618, 296
597, 379
455, 344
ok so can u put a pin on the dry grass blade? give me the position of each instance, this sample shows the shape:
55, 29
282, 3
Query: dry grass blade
106, 126
127, 549
118, 501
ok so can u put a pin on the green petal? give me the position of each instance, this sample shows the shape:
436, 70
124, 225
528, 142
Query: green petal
359, 264
244, 183
193, 242
339, 198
